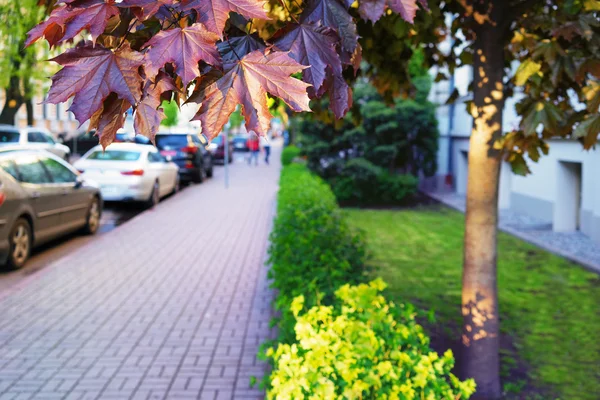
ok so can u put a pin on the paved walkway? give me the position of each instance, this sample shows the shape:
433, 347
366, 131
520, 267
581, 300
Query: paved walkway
173, 304
574, 246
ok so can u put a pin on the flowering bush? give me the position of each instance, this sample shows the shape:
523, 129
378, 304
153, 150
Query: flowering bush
361, 347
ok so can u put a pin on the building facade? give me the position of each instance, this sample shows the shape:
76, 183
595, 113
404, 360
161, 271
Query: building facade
563, 189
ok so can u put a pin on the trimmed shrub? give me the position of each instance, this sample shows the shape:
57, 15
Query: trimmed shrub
288, 154
313, 251
361, 182
361, 347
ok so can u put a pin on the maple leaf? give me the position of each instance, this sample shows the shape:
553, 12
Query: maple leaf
144, 9
340, 94
235, 48
148, 115
66, 21
373, 9
335, 15
247, 84
92, 73
184, 47
313, 47
109, 119
214, 13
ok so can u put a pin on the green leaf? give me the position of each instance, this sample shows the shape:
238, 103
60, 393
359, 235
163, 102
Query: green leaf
546, 114
525, 70
588, 130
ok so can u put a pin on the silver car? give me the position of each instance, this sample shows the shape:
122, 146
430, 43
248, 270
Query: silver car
32, 138
41, 198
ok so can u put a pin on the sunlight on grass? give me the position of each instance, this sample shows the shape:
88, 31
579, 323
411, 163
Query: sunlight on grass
548, 306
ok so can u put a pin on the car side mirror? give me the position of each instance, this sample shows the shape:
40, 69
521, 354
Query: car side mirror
78, 182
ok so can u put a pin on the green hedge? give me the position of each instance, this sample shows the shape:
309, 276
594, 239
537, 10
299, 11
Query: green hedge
361, 182
312, 248
289, 153
361, 347
350, 343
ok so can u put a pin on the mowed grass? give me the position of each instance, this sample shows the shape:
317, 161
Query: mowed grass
549, 307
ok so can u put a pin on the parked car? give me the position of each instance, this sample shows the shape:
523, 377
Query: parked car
122, 136
189, 153
42, 197
240, 143
217, 148
130, 172
82, 142
34, 139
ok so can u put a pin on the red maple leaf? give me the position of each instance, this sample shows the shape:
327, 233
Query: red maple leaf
148, 115
235, 48
184, 47
144, 9
333, 14
313, 47
373, 9
92, 73
248, 84
214, 13
66, 21
109, 119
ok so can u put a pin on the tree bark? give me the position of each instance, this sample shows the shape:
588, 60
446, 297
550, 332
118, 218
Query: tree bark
12, 103
480, 333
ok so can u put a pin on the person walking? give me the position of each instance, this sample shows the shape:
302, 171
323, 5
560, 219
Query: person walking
267, 145
254, 147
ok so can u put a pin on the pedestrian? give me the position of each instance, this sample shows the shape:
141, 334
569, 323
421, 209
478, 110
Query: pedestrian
254, 147
267, 145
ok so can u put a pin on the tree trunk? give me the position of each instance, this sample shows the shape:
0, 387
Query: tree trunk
29, 107
28, 93
480, 334
12, 103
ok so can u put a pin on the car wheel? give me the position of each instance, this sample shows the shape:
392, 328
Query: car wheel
20, 242
93, 217
200, 176
209, 173
154, 196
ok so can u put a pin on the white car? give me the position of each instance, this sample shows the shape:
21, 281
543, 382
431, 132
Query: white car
130, 172
34, 139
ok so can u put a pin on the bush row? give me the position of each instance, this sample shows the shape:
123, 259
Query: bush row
361, 182
338, 336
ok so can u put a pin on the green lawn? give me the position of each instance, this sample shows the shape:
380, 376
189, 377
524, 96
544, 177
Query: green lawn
550, 308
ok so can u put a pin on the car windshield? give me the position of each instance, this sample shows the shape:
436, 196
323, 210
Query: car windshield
171, 141
114, 155
9, 137
218, 140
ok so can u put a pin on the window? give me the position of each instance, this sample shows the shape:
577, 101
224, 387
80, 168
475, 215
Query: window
36, 137
171, 141
9, 167
9, 137
154, 157
49, 139
114, 155
58, 172
31, 170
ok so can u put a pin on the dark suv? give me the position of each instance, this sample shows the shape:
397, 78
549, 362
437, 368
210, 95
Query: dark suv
189, 153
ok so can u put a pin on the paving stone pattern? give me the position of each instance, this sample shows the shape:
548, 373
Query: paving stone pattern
172, 305
575, 246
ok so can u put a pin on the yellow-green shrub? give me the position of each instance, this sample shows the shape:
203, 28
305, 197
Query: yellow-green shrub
361, 347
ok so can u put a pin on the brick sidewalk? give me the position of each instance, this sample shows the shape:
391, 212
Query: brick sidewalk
173, 304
